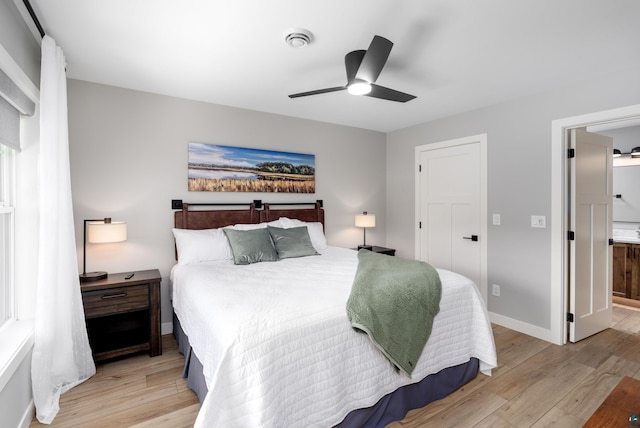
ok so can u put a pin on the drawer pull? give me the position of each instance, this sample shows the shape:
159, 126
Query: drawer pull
113, 296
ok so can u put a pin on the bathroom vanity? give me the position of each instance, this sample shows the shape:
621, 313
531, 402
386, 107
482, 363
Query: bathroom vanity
626, 270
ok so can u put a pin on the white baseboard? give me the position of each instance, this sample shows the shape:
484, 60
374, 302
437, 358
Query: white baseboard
29, 414
166, 328
522, 327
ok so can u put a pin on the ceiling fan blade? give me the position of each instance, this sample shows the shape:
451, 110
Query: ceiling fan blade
318, 91
352, 62
374, 59
378, 91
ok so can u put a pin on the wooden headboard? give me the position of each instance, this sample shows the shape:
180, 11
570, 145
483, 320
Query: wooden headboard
189, 218
213, 219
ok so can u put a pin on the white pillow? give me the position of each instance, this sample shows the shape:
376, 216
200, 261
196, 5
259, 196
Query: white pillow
316, 232
288, 223
251, 226
195, 246
247, 226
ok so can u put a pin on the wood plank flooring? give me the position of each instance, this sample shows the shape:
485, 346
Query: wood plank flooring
139, 391
536, 384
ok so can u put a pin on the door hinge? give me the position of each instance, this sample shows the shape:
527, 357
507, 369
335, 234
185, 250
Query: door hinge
572, 153
419, 225
572, 235
420, 168
610, 241
569, 317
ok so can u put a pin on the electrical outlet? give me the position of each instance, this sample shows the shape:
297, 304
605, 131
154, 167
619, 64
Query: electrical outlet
496, 290
496, 219
538, 221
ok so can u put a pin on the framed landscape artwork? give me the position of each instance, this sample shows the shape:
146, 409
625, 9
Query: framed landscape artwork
217, 168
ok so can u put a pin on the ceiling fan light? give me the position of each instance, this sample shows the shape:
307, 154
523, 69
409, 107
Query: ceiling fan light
359, 88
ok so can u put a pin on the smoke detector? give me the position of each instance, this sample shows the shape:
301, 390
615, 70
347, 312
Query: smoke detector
298, 37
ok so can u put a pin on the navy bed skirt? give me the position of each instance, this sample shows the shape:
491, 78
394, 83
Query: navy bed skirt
391, 407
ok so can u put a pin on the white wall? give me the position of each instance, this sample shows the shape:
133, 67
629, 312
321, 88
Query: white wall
519, 184
625, 138
626, 178
16, 398
129, 159
625, 183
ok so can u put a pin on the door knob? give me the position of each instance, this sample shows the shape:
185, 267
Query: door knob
472, 237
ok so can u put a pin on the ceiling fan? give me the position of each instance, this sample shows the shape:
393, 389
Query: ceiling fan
363, 68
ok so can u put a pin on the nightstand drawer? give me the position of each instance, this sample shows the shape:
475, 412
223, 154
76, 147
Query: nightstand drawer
115, 300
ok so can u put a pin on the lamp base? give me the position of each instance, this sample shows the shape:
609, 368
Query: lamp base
365, 247
92, 276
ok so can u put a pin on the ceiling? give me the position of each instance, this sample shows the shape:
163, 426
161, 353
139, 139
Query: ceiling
454, 55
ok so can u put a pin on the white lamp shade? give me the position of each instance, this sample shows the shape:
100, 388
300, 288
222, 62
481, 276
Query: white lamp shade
365, 220
99, 232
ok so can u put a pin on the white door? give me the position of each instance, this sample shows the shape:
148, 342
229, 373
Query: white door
590, 219
450, 202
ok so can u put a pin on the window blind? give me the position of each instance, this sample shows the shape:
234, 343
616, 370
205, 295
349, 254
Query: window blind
13, 102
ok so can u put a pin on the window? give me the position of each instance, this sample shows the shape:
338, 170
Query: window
7, 191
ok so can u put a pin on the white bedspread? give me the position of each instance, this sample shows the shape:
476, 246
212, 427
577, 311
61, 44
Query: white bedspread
278, 349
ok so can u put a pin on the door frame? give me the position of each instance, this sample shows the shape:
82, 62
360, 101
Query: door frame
559, 283
473, 139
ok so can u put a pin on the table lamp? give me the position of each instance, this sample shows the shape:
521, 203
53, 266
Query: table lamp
364, 221
100, 232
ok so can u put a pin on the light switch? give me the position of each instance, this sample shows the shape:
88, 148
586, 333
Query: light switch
538, 221
496, 219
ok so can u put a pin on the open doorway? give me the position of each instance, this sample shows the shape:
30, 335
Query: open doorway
559, 192
626, 211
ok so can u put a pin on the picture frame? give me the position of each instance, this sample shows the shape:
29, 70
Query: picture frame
221, 168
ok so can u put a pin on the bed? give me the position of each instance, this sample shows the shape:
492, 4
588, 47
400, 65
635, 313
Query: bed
269, 344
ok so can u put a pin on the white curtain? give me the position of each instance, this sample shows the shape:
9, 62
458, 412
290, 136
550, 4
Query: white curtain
61, 354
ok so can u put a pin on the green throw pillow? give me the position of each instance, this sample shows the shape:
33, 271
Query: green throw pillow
251, 246
292, 242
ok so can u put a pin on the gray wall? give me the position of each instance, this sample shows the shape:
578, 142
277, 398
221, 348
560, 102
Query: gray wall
17, 40
519, 184
129, 159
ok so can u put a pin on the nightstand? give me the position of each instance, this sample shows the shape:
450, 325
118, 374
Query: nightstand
381, 250
123, 315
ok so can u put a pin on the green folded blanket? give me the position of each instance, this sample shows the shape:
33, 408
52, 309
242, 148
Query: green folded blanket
394, 301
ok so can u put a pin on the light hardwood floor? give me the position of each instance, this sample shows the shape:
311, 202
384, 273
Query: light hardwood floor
536, 384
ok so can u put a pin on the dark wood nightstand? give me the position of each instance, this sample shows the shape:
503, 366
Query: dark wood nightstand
123, 315
381, 250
